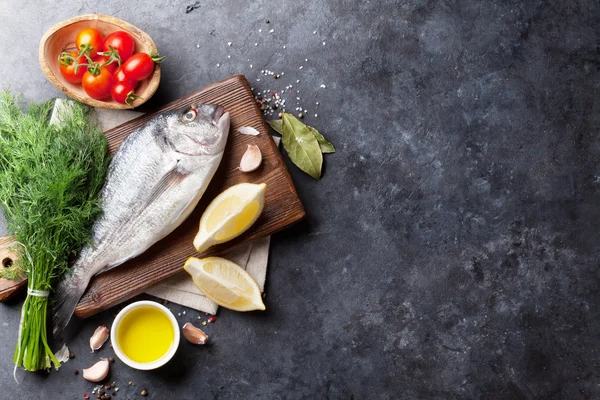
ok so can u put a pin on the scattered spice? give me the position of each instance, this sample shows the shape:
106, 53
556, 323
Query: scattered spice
107, 387
86, 396
130, 383
71, 355
267, 21
300, 115
212, 319
192, 7
204, 323
76, 372
144, 392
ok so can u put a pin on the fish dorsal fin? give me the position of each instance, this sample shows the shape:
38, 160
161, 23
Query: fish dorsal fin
168, 181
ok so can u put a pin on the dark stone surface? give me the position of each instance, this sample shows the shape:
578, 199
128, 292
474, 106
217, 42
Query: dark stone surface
450, 251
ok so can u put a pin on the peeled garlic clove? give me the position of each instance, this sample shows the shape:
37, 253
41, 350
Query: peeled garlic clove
194, 335
251, 159
248, 130
99, 337
97, 372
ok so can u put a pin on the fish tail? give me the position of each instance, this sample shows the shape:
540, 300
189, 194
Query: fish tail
66, 296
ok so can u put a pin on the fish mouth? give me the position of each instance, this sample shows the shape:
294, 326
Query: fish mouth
219, 111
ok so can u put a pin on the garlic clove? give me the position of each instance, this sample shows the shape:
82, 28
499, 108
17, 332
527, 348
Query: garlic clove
194, 335
99, 337
97, 372
251, 159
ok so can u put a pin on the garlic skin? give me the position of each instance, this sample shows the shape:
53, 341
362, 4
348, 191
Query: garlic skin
194, 335
99, 337
97, 372
248, 130
63, 354
251, 159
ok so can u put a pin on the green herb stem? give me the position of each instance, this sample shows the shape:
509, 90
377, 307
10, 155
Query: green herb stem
50, 181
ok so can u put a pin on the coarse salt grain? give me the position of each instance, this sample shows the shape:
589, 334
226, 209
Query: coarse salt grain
250, 65
218, 65
228, 56
260, 30
306, 59
323, 86
197, 46
301, 67
256, 44
229, 44
316, 115
323, 43
272, 30
258, 80
314, 32
297, 80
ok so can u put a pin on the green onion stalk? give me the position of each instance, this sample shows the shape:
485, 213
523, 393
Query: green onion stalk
51, 175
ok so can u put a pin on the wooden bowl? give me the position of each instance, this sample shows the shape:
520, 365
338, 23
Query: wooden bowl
62, 37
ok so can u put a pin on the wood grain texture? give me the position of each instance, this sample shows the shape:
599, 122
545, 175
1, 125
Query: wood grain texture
9, 288
61, 37
166, 258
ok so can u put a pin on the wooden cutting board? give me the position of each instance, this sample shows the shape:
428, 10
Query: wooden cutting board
166, 258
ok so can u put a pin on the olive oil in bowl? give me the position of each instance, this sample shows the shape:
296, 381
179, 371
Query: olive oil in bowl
145, 335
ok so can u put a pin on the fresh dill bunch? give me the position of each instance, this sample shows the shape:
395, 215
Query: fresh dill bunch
51, 176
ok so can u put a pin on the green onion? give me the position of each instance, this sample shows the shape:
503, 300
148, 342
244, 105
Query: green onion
50, 180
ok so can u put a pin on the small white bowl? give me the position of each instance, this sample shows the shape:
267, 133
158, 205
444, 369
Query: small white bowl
149, 365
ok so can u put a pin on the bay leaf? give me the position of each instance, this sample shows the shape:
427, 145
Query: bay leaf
302, 146
326, 147
277, 125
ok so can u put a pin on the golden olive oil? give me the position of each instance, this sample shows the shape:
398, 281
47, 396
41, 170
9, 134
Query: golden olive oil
145, 334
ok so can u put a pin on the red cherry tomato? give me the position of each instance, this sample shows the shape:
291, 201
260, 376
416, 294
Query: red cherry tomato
119, 76
111, 67
97, 86
91, 39
120, 41
68, 63
140, 65
122, 92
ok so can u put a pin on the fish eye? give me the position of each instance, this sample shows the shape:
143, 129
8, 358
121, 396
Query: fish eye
190, 115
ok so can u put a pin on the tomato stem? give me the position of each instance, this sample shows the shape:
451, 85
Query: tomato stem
157, 58
131, 97
113, 55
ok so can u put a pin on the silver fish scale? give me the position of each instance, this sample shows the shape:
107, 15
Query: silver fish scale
155, 180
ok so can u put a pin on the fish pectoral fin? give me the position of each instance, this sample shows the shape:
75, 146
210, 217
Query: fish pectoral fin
170, 180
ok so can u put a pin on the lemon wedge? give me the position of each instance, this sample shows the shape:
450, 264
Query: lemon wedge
225, 283
230, 214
